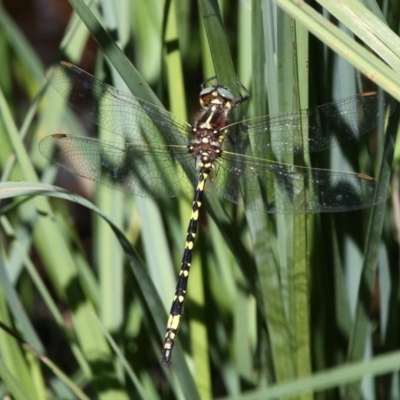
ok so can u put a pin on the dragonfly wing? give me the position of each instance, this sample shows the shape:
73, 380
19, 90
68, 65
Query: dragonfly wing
116, 111
274, 187
312, 130
131, 168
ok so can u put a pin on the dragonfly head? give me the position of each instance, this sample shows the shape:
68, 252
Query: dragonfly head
216, 95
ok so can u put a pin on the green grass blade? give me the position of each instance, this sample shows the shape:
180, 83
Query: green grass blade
365, 61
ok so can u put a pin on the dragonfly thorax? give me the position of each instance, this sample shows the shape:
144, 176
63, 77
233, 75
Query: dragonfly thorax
209, 132
206, 145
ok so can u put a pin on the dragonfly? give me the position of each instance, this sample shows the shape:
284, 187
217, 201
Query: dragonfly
163, 156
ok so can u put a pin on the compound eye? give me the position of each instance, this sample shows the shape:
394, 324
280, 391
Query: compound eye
207, 91
225, 93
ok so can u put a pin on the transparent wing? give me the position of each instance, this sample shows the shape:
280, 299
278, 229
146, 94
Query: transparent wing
138, 169
116, 111
150, 164
274, 187
326, 126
